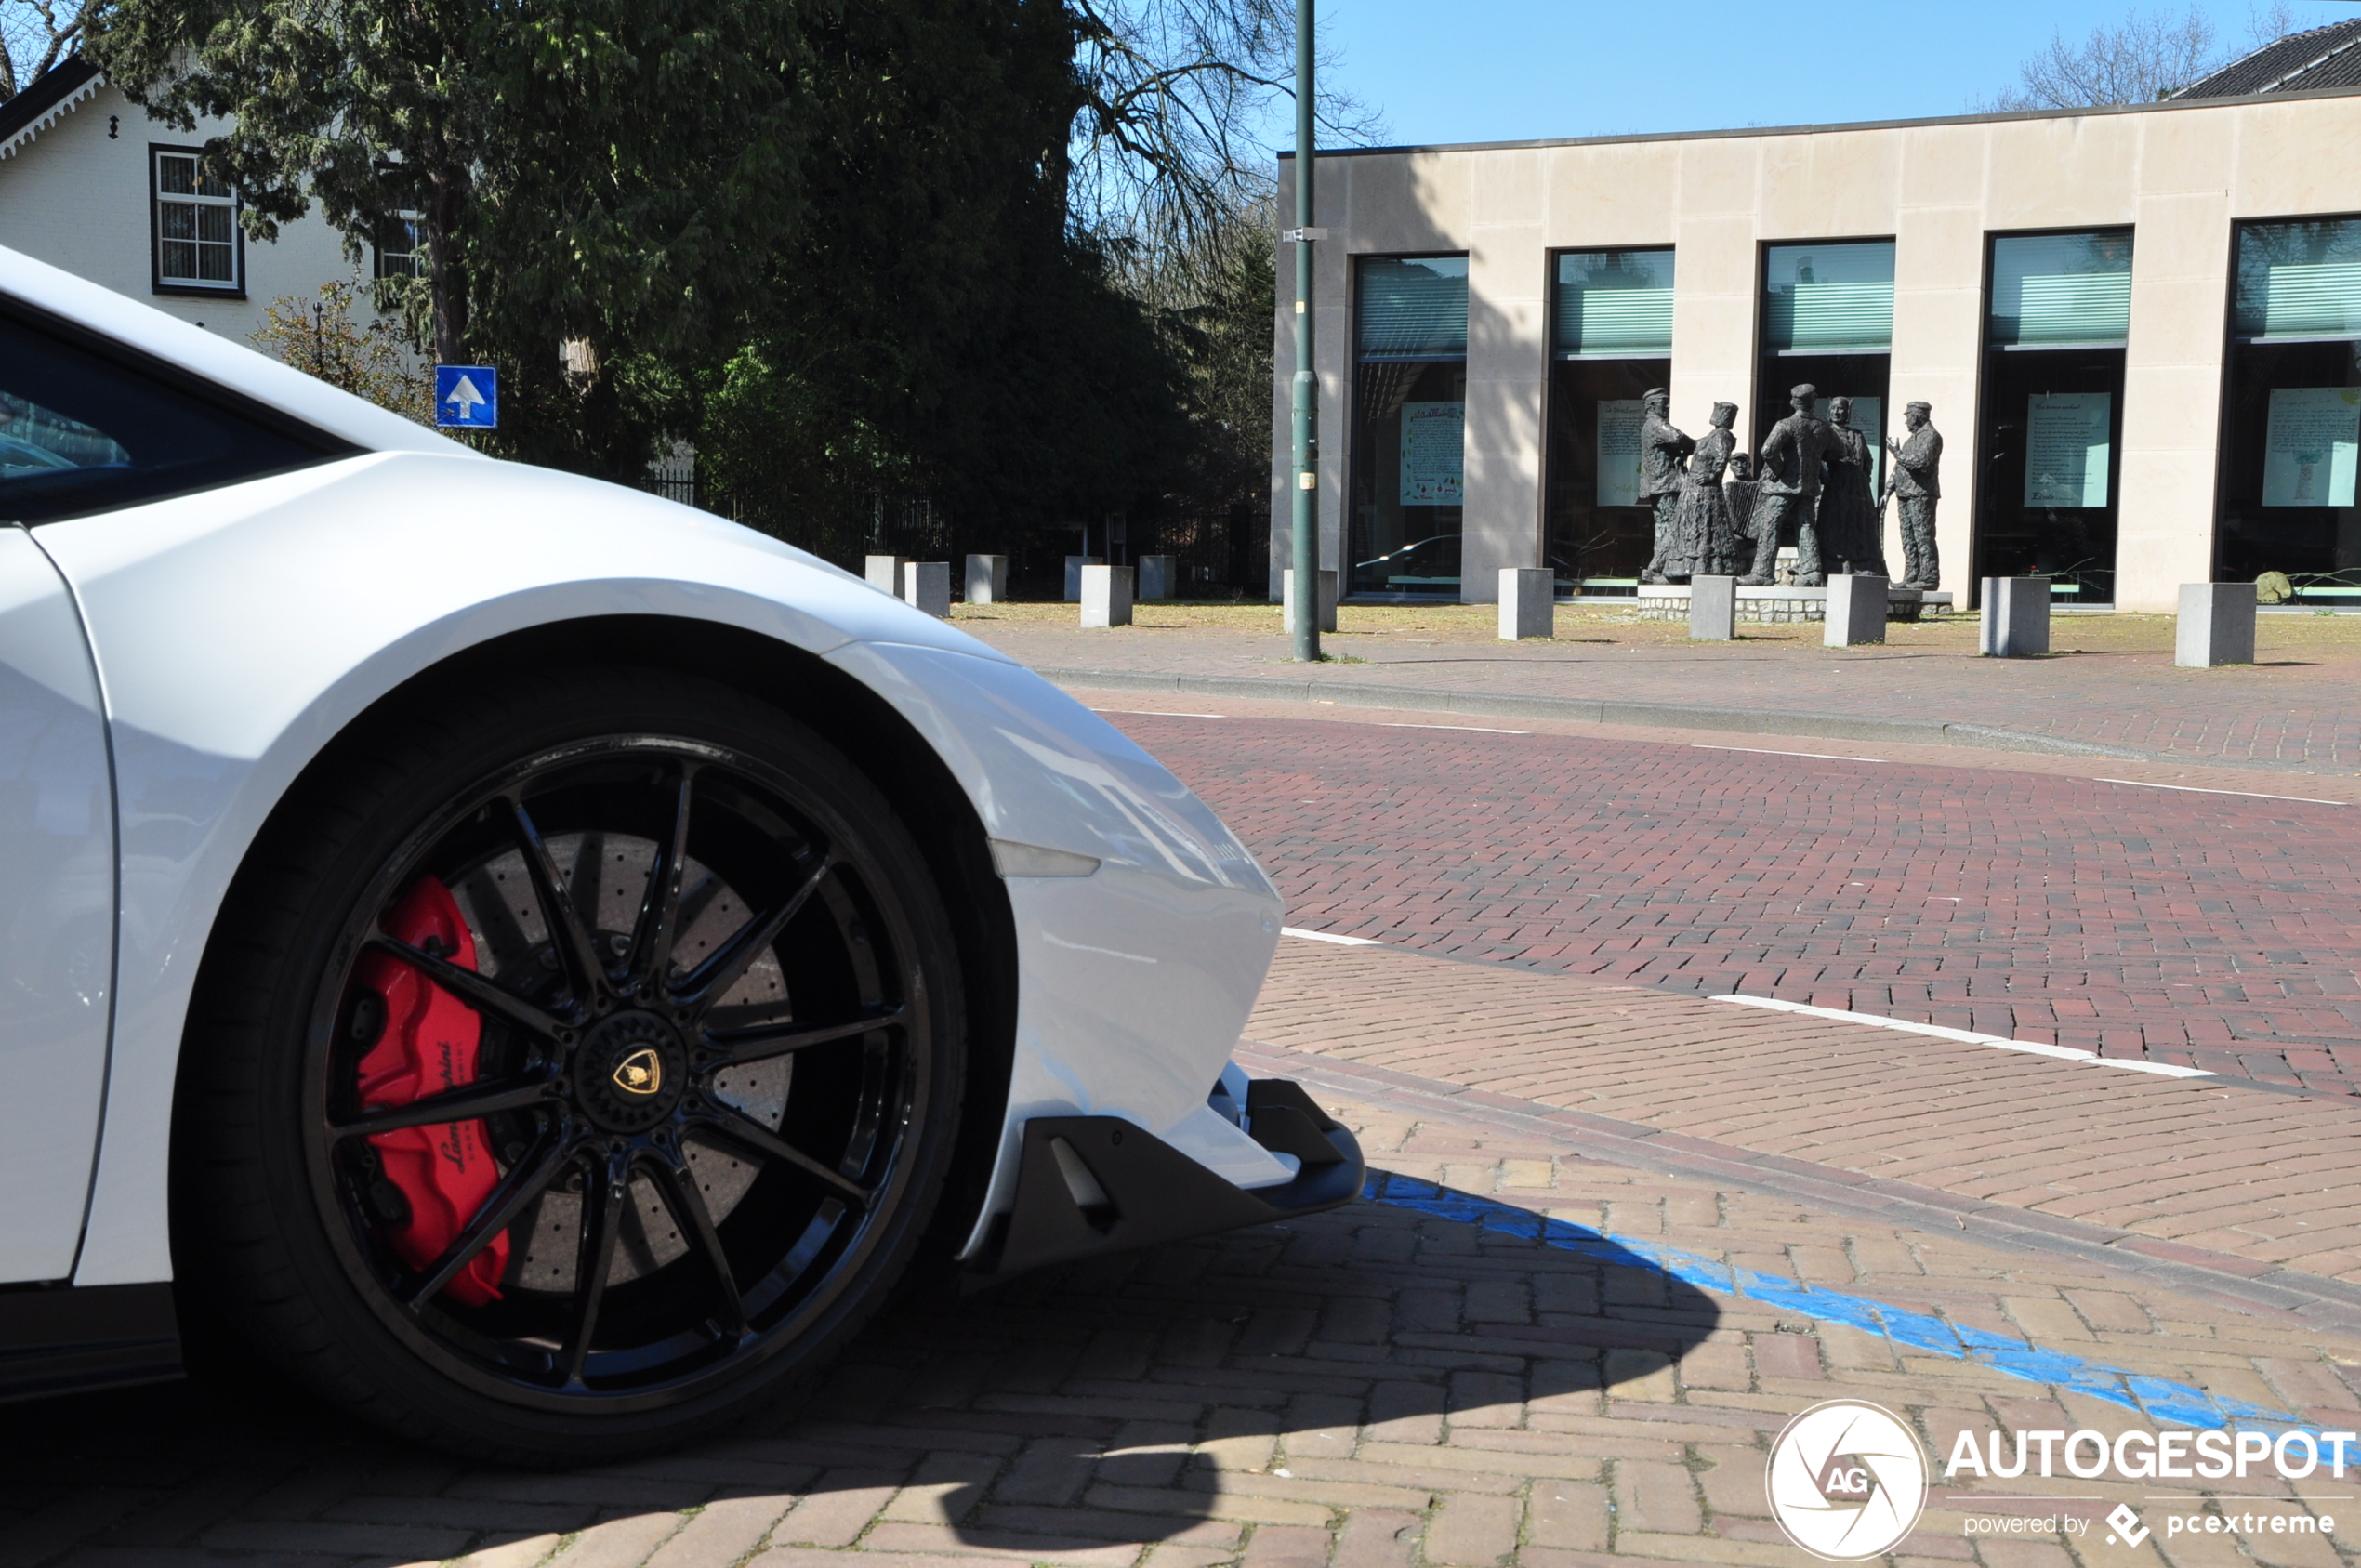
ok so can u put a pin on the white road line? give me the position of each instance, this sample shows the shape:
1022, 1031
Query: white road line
1156, 713
2250, 794
1328, 936
1969, 1037
1766, 751
1471, 728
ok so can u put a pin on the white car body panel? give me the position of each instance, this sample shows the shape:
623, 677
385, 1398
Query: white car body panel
236, 631
57, 913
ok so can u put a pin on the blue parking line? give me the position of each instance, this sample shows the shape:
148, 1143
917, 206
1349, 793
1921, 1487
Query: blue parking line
2162, 1401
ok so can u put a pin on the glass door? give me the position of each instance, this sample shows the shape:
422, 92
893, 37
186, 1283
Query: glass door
1611, 341
2058, 310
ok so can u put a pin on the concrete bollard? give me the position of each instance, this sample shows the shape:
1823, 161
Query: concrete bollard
927, 584
987, 579
884, 572
2016, 617
1106, 596
1328, 600
1713, 608
1528, 602
1856, 610
1074, 563
1159, 576
2217, 625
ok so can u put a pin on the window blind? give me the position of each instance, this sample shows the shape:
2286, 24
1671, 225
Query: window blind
1412, 308
2056, 290
1828, 299
2299, 280
1615, 303
2305, 300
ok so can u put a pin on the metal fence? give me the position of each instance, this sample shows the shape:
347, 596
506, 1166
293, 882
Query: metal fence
1221, 552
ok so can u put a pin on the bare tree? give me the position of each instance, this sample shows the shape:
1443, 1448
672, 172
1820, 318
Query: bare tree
1177, 98
2147, 56
34, 35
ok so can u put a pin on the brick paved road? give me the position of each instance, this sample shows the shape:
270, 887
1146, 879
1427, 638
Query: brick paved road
2301, 706
2213, 930
1376, 1387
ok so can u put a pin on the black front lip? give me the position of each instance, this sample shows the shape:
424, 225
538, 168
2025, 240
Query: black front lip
1153, 1192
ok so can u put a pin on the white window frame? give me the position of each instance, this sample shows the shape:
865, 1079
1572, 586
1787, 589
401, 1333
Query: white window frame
412, 222
197, 200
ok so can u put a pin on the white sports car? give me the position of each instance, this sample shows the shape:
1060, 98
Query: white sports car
543, 960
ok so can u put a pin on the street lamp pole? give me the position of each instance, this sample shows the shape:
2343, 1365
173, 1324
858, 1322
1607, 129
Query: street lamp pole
1307, 382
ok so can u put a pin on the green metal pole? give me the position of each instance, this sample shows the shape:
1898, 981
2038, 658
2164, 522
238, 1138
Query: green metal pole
1307, 380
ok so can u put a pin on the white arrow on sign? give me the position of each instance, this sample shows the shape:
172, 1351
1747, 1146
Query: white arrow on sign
465, 397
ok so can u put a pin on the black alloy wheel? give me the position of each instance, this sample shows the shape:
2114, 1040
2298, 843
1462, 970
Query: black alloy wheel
716, 1016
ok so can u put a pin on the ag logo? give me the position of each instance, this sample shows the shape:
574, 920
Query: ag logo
1847, 1480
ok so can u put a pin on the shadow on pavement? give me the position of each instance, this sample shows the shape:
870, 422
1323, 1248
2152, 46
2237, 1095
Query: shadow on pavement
1108, 1402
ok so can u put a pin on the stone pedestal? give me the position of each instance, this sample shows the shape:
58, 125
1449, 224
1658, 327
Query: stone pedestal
1074, 563
1106, 596
1159, 576
1528, 602
987, 579
1328, 600
884, 572
1713, 608
1856, 610
2217, 625
927, 584
1778, 606
2016, 617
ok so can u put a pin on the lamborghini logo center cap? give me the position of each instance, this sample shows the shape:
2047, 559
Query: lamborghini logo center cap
640, 1073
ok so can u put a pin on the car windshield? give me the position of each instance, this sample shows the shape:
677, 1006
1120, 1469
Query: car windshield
81, 433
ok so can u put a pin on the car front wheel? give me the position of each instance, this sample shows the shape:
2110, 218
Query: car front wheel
576, 1066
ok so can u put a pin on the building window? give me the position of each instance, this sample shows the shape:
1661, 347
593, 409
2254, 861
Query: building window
1409, 410
1611, 340
401, 248
197, 245
2291, 419
2057, 312
1827, 320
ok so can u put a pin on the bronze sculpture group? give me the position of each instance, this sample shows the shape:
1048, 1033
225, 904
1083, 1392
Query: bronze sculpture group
1718, 513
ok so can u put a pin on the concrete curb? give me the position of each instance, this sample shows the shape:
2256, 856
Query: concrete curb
2265, 1289
1669, 715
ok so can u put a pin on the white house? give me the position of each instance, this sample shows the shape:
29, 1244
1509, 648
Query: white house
90, 183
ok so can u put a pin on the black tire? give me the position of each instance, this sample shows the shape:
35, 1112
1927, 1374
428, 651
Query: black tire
797, 1174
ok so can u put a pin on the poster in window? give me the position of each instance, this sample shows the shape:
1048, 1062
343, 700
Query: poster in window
2309, 446
2067, 442
1868, 418
1619, 421
1431, 434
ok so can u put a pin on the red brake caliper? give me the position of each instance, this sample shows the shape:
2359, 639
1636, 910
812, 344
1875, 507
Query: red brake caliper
429, 1046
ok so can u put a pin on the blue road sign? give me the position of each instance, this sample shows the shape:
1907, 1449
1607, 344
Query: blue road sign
466, 397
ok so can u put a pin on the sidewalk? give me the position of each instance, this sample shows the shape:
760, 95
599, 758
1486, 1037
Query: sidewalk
1558, 1361
2248, 1196
2110, 688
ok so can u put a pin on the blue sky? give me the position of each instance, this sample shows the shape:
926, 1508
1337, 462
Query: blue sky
1443, 70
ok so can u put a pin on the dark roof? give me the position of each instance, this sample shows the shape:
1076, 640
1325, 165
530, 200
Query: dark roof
2324, 56
46, 92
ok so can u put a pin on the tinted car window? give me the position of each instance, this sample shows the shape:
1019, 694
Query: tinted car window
81, 431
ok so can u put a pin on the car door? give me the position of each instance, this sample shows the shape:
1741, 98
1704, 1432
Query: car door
57, 911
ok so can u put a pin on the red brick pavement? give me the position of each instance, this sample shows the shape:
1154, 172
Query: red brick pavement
2212, 930
1370, 1388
